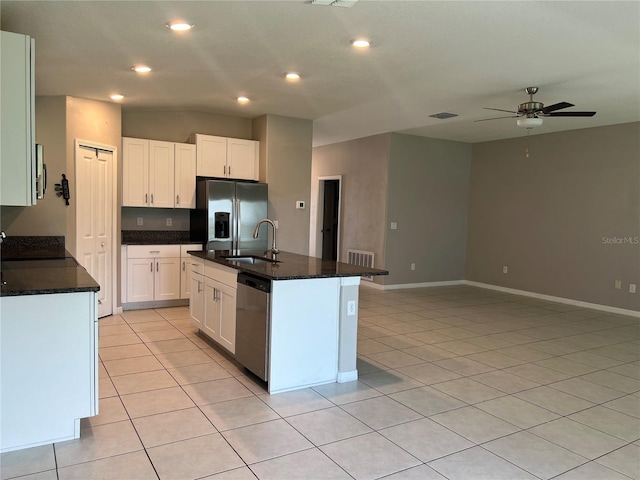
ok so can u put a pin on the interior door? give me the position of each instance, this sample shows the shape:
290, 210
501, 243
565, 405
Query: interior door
94, 219
330, 220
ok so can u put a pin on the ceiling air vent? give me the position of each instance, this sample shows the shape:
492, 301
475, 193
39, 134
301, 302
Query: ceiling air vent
443, 115
335, 3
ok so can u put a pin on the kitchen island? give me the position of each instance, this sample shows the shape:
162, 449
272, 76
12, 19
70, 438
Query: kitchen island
312, 313
49, 347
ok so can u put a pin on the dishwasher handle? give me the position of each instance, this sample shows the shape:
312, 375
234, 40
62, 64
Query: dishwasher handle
252, 281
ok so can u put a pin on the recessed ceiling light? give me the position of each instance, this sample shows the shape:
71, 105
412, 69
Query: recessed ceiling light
292, 76
141, 69
179, 26
243, 100
116, 97
361, 43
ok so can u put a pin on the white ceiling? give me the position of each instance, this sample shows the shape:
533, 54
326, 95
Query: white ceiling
427, 57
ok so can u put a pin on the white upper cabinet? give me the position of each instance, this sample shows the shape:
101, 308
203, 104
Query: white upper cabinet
224, 157
135, 172
161, 174
158, 174
185, 175
17, 97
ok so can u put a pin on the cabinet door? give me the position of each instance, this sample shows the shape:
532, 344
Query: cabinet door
211, 154
167, 278
140, 273
17, 145
185, 175
211, 317
161, 174
135, 172
242, 159
185, 277
196, 300
227, 306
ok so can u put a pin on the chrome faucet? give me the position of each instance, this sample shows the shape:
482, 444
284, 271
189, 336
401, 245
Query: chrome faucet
274, 250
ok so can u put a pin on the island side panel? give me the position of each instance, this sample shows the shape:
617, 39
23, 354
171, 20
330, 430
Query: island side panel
48, 367
304, 333
348, 333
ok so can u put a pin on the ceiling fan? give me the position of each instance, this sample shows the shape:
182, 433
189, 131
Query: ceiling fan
530, 114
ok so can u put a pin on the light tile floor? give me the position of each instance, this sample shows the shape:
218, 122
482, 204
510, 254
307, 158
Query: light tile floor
455, 382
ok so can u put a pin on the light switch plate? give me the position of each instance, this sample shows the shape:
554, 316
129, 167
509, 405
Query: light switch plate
394, 226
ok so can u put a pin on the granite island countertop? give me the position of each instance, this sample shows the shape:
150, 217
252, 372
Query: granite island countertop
288, 266
56, 273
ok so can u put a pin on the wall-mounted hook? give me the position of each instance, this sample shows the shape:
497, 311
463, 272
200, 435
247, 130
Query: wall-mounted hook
63, 189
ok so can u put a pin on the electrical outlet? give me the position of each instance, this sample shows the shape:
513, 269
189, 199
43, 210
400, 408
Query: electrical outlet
618, 284
632, 288
351, 307
169, 221
413, 266
505, 269
300, 204
139, 221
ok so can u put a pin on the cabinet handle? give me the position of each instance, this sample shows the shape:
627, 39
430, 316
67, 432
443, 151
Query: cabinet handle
177, 199
151, 265
199, 286
146, 198
157, 266
184, 266
229, 170
152, 199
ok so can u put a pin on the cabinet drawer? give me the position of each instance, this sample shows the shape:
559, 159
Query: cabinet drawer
196, 264
222, 274
147, 251
192, 246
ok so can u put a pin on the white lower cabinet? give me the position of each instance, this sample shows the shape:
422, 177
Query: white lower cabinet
49, 359
153, 273
185, 269
196, 292
213, 303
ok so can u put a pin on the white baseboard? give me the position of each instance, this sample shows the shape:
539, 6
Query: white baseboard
551, 298
541, 296
344, 377
401, 286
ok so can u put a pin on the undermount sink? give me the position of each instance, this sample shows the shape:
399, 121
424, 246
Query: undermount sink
251, 259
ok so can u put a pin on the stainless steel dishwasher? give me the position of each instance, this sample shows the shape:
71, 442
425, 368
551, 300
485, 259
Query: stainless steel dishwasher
253, 323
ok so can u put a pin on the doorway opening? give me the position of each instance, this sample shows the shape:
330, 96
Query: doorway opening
326, 201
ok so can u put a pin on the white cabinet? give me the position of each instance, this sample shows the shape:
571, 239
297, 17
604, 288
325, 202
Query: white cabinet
158, 174
153, 273
196, 293
185, 175
213, 303
17, 97
49, 358
226, 157
186, 268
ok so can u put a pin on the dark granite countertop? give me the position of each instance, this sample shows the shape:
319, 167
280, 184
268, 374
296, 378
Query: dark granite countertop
157, 237
36, 266
289, 266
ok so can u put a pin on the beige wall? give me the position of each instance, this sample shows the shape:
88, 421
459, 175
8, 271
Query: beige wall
49, 215
286, 167
545, 216
428, 198
93, 121
179, 125
363, 164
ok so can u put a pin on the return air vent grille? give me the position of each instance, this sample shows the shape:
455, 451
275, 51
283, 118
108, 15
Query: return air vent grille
443, 115
361, 258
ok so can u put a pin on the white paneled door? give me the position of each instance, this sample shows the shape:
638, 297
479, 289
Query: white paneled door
94, 219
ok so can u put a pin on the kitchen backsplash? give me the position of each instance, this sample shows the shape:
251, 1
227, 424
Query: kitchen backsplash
155, 219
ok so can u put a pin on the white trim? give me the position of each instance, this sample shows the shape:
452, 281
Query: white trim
344, 377
401, 286
346, 281
551, 298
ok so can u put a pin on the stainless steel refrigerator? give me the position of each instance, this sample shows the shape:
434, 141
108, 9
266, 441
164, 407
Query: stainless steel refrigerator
226, 214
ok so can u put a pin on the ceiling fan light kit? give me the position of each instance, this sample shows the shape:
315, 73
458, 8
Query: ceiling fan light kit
530, 114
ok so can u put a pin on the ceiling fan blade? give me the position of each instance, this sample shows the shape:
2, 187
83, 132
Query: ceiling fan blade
499, 110
496, 118
571, 114
557, 106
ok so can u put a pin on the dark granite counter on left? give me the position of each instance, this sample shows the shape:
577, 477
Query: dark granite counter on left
41, 265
